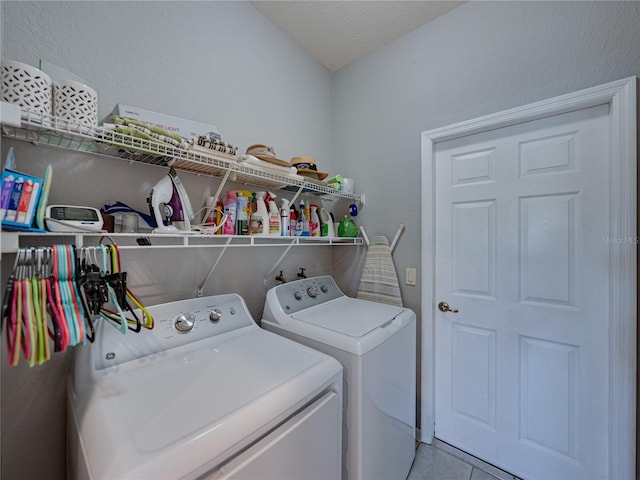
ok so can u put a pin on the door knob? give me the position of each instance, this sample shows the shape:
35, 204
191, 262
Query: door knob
444, 307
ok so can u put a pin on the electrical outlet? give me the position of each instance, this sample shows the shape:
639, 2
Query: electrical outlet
410, 276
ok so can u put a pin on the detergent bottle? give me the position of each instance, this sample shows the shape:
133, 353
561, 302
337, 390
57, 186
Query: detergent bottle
293, 222
242, 214
326, 224
302, 225
229, 227
210, 212
314, 222
274, 215
284, 218
260, 218
307, 210
219, 214
347, 228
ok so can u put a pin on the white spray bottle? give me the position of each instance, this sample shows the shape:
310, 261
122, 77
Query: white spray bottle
302, 224
274, 215
260, 218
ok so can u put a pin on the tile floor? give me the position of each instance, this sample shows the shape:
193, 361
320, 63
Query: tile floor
440, 461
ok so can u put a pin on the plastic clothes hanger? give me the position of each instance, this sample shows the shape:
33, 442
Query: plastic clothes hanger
57, 335
120, 319
92, 282
123, 291
28, 315
60, 274
70, 284
47, 311
14, 321
39, 356
75, 297
29, 345
146, 316
118, 282
40, 338
40, 305
81, 279
7, 299
56, 302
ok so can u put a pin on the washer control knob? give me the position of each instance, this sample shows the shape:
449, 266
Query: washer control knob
215, 315
312, 292
297, 295
184, 322
324, 288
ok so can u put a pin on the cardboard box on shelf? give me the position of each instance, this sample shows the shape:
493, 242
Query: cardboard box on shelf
188, 129
20, 197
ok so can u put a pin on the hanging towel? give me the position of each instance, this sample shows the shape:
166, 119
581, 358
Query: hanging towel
379, 281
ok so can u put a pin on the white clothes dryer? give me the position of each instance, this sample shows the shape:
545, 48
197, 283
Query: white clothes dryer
205, 394
376, 345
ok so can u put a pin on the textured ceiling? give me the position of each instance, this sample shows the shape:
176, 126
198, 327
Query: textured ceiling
337, 33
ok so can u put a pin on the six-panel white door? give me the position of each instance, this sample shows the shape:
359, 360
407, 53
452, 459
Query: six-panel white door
522, 254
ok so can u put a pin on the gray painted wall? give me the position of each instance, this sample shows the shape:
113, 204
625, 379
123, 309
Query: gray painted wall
480, 58
225, 64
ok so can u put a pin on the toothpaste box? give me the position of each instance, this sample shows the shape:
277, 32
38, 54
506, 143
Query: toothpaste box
19, 198
188, 129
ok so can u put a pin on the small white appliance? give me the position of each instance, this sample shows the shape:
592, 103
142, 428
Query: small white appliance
71, 218
205, 394
376, 345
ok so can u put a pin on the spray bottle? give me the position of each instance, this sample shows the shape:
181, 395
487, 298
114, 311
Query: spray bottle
293, 221
284, 218
314, 222
210, 212
260, 218
242, 215
302, 225
230, 212
274, 215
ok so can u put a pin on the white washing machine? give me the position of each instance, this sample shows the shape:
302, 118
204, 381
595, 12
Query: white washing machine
205, 394
376, 345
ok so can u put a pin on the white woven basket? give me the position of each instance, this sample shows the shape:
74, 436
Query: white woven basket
26, 86
75, 101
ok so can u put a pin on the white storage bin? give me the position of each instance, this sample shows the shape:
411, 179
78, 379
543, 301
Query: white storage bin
75, 101
26, 86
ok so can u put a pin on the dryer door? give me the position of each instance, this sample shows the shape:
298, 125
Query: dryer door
306, 447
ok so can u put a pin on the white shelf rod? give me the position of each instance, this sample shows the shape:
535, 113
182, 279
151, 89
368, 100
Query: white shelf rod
213, 267
284, 254
293, 199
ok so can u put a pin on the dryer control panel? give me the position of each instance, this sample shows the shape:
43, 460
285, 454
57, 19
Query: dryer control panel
306, 293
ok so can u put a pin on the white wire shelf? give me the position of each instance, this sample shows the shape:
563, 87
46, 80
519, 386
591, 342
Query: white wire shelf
11, 241
39, 128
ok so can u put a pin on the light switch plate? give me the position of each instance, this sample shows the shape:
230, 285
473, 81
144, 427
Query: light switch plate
410, 276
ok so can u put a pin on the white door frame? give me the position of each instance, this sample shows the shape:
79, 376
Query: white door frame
621, 96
